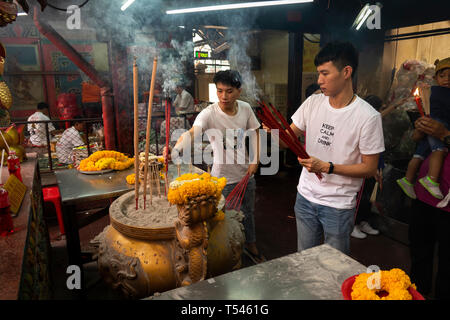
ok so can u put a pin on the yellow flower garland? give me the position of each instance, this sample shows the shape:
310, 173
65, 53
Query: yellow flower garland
107, 159
395, 282
131, 178
191, 185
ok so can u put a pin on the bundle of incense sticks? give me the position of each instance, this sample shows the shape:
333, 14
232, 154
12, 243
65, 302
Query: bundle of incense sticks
286, 134
234, 199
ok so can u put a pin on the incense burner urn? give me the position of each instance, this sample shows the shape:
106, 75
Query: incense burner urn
140, 261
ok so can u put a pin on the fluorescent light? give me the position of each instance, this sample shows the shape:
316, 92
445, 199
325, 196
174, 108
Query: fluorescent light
22, 14
237, 6
366, 15
361, 14
126, 5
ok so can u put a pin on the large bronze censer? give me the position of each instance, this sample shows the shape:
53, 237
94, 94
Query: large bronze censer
166, 246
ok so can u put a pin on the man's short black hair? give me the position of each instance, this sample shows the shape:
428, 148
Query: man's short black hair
313, 87
42, 106
228, 77
342, 54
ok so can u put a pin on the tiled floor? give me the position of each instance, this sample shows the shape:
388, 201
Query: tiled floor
276, 237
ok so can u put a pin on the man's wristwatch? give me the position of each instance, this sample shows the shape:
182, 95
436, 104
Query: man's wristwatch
447, 140
330, 170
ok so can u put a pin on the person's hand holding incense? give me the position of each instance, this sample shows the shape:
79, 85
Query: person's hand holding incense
252, 169
315, 165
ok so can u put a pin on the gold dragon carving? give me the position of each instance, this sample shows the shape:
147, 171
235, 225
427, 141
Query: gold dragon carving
192, 239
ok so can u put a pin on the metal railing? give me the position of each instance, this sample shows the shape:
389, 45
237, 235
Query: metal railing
155, 119
47, 133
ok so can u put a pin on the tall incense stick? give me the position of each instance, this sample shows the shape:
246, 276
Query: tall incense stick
166, 190
147, 133
136, 132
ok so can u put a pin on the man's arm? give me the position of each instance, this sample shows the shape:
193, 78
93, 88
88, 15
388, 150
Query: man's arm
185, 140
367, 168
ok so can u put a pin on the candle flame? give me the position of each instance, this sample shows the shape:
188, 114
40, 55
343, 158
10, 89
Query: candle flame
416, 93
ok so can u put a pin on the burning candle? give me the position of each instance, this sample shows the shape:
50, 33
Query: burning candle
418, 102
136, 132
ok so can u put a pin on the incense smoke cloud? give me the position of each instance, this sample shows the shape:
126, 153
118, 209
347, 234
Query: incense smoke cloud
141, 25
239, 37
173, 71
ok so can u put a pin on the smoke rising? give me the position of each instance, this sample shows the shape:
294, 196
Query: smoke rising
144, 26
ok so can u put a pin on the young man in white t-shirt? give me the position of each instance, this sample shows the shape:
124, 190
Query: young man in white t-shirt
226, 124
344, 138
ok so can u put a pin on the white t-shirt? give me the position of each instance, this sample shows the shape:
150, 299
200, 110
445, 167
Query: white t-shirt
64, 148
184, 102
37, 130
227, 137
340, 136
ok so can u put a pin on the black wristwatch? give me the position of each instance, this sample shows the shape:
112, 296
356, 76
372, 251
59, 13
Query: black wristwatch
331, 167
447, 140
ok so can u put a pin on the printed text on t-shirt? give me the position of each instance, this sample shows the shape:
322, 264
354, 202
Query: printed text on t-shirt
327, 133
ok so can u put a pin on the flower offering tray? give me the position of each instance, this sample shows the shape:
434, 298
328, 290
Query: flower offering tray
347, 285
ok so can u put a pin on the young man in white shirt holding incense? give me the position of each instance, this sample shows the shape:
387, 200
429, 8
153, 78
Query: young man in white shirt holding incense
226, 123
344, 138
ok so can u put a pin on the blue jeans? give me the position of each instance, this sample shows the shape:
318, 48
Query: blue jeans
430, 144
247, 207
315, 220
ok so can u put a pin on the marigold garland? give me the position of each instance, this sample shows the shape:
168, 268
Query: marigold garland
395, 282
131, 178
107, 159
191, 185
